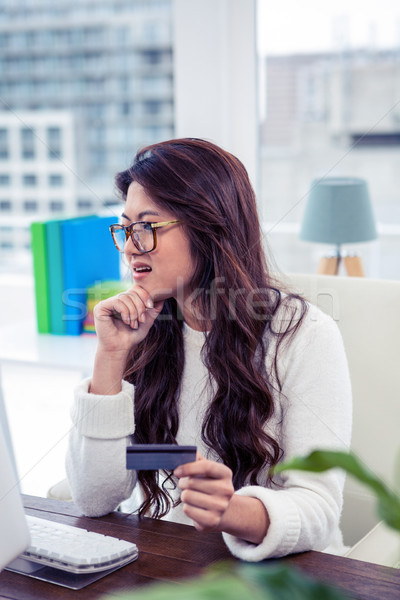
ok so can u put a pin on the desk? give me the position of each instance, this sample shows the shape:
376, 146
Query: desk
170, 551
21, 345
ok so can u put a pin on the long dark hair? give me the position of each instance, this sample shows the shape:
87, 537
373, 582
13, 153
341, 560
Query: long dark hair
209, 190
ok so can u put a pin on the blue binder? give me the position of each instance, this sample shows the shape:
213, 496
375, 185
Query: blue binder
89, 256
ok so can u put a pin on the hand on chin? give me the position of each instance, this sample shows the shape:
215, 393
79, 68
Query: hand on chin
156, 294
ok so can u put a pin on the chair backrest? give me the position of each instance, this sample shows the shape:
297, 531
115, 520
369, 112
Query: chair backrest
367, 312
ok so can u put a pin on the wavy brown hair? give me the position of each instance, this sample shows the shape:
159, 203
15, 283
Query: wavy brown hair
209, 190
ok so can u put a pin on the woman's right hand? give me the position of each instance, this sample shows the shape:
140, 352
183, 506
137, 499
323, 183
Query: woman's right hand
124, 320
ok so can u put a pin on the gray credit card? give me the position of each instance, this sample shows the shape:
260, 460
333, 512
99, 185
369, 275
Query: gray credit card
142, 457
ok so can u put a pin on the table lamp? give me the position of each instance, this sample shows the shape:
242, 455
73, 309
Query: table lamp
339, 212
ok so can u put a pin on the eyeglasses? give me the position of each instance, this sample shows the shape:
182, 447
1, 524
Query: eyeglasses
142, 234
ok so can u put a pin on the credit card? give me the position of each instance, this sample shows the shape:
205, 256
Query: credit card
143, 457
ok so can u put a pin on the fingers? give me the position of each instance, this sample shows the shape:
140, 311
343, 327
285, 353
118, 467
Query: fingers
131, 307
211, 479
203, 520
206, 491
203, 468
206, 484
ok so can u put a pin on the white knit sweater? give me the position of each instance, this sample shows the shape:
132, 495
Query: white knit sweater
313, 411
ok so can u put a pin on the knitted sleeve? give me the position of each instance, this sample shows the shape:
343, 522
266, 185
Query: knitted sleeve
96, 456
304, 509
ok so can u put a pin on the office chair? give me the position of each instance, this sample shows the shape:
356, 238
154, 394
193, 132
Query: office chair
367, 312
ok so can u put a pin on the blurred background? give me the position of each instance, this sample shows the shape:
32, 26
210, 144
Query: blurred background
298, 91
85, 83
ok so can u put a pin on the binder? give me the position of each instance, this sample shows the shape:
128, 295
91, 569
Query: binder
39, 252
89, 256
55, 272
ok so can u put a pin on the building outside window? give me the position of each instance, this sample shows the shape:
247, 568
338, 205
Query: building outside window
152, 107
29, 180
54, 143
56, 205
330, 107
27, 143
56, 180
92, 60
3, 143
26, 133
5, 205
84, 204
30, 205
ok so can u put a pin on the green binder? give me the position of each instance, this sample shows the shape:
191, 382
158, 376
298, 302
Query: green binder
39, 251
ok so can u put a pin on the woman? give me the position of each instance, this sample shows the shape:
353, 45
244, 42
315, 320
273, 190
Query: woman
205, 349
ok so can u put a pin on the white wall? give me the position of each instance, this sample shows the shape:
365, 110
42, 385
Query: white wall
215, 71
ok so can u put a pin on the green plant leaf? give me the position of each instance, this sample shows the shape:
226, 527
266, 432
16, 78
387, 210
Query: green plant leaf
286, 583
239, 581
227, 586
322, 460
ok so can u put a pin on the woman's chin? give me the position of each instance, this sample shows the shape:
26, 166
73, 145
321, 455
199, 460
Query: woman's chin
156, 294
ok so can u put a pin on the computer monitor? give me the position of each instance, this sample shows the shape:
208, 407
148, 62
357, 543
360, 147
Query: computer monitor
14, 532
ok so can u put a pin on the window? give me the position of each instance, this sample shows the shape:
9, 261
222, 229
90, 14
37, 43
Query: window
73, 62
29, 180
97, 135
152, 107
122, 35
155, 86
98, 157
110, 202
56, 205
94, 35
3, 143
94, 85
152, 32
4, 179
5, 205
4, 39
27, 142
56, 180
93, 61
125, 84
54, 143
96, 110
84, 204
376, 139
152, 57
30, 205
329, 108
125, 108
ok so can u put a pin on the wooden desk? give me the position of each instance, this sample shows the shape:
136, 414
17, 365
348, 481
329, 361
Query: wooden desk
169, 552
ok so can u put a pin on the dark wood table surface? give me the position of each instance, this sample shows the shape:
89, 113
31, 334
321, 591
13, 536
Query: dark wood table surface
170, 552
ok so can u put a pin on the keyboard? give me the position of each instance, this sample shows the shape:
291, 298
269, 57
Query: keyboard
74, 549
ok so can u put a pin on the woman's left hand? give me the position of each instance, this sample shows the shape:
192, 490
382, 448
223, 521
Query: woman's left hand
206, 492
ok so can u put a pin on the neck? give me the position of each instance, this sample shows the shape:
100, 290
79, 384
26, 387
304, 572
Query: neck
195, 323
193, 318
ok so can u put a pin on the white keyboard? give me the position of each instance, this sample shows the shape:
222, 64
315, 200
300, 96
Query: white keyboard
74, 549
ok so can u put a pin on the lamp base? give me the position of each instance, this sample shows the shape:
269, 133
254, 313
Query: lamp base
329, 265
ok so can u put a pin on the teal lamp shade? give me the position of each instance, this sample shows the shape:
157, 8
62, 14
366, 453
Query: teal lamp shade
338, 212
